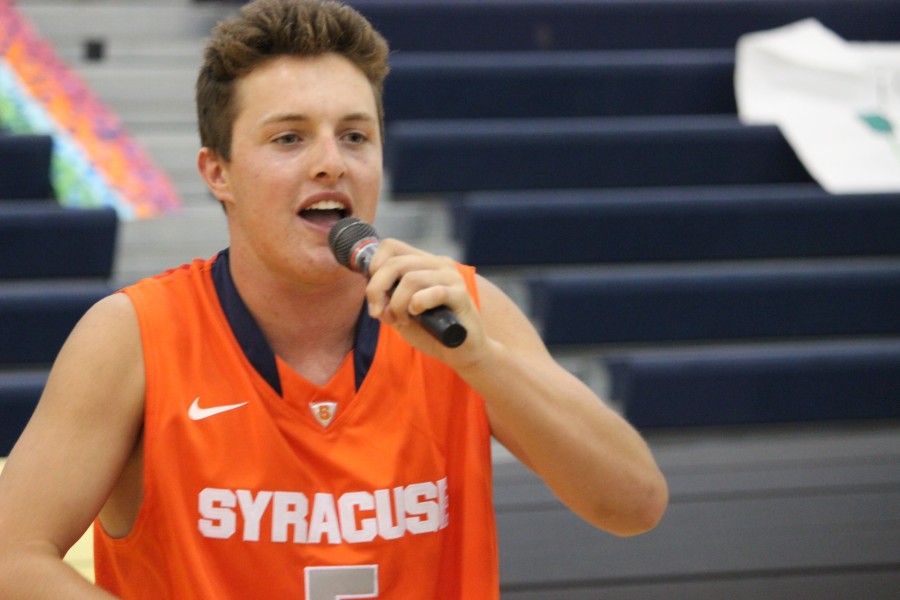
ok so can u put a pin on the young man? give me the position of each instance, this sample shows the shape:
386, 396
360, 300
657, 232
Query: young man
270, 424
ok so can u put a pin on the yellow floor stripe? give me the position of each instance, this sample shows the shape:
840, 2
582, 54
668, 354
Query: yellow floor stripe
81, 555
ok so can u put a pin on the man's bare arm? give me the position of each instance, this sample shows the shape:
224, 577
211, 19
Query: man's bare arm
591, 458
71, 454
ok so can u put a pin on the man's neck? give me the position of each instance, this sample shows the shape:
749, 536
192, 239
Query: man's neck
309, 326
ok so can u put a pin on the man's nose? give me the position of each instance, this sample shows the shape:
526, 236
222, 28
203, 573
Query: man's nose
328, 162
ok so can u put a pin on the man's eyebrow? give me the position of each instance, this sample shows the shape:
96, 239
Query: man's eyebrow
359, 117
285, 118
299, 117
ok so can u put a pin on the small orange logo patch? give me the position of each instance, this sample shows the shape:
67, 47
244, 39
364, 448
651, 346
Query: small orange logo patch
323, 412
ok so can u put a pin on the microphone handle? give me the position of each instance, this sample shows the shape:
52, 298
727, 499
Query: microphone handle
441, 323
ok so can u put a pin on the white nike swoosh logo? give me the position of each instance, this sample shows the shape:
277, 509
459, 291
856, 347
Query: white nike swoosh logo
197, 413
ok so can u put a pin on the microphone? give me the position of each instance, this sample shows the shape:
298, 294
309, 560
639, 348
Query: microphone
354, 242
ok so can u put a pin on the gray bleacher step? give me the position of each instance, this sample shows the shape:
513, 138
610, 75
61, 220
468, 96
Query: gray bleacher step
199, 230
176, 152
151, 51
174, 121
711, 550
150, 246
124, 53
144, 90
754, 513
74, 22
106, 3
734, 462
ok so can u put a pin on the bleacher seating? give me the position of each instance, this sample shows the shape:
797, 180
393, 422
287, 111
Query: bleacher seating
600, 141
760, 384
38, 316
661, 225
502, 25
40, 239
756, 512
471, 85
604, 133
25, 167
747, 301
54, 264
474, 155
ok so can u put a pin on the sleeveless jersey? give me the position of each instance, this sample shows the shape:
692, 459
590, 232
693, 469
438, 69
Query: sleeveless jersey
259, 484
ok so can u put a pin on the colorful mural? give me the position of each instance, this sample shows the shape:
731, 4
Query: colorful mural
95, 159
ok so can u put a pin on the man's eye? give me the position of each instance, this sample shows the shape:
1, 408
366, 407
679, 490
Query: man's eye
356, 137
287, 138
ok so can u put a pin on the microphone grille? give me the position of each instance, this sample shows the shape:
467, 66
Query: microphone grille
345, 235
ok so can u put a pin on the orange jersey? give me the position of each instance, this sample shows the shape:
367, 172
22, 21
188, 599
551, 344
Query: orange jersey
260, 484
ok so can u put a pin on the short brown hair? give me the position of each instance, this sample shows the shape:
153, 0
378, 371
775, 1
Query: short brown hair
265, 29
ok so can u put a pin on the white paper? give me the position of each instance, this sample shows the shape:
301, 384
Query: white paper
837, 103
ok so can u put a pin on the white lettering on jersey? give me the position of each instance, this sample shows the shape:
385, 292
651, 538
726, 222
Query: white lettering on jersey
352, 518
443, 503
391, 521
421, 508
252, 509
220, 521
289, 509
324, 520
357, 530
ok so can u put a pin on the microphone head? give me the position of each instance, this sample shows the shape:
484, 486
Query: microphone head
345, 237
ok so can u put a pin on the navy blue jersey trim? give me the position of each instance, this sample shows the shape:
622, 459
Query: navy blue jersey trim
250, 337
254, 344
364, 345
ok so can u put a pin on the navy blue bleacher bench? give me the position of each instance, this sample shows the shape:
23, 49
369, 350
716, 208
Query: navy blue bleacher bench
25, 167
754, 301
35, 320
440, 157
44, 240
476, 25
673, 224
834, 380
450, 85
19, 394
36, 317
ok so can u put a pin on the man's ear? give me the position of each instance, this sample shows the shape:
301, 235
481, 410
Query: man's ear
214, 171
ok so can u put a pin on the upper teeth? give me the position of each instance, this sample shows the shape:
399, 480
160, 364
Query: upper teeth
326, 205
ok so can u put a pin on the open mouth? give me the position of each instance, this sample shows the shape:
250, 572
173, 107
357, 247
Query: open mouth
324, 213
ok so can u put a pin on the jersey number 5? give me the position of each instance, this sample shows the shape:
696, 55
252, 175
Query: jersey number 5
341, 583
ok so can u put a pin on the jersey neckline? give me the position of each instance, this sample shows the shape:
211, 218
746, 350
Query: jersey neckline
253, 342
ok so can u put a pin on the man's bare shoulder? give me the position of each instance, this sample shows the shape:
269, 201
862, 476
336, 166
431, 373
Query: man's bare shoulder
83, 431
102, 360
113, 310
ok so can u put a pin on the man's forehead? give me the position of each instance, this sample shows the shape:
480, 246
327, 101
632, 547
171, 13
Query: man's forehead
290, 87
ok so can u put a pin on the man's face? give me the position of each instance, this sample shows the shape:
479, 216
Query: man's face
306, 151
